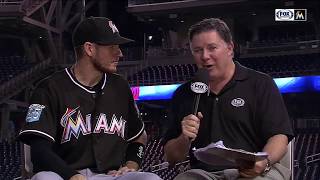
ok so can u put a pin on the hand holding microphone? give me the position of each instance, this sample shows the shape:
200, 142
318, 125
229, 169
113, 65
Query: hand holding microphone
191, 123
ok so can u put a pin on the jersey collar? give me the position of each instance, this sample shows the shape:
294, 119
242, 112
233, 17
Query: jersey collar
76, 82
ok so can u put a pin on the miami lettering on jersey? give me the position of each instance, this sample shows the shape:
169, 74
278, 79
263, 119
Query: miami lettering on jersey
73, 123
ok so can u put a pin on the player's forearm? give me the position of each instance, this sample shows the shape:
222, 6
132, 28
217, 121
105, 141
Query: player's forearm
276, 147
177, 149
43, 157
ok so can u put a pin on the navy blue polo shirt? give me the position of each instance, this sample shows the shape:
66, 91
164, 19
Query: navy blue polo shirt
245, 114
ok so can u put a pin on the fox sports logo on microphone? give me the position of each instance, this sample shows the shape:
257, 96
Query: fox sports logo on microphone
290, 14
199, 87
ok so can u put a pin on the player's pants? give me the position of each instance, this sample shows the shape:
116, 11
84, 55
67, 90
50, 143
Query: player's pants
277, 172
48, 175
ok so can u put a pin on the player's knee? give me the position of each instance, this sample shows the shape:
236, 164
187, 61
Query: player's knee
141, 176
47, 175
149, 176
191, 175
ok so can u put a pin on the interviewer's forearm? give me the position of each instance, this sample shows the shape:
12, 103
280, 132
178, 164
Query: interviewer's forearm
177, 149
276, 147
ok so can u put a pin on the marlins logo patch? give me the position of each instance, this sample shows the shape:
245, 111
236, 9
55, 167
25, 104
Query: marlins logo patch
34, 112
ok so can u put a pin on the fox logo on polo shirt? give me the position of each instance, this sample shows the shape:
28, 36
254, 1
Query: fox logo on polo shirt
237, 102
74, 123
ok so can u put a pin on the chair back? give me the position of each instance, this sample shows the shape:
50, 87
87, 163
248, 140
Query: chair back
288, 159
26, 163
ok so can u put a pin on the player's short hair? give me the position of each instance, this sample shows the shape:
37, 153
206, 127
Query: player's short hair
211, 24
79, 50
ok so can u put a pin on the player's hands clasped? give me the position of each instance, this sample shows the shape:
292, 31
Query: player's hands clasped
78, 177
190, 125
121, 171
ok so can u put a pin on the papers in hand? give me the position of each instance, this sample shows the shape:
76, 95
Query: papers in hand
217, 154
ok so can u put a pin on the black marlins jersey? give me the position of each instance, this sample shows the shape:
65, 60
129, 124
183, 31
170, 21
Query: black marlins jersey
89, 128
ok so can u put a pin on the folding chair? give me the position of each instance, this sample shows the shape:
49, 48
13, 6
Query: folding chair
27, 166
288, 158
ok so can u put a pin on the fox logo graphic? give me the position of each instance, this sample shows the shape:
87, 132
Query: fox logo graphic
74, 124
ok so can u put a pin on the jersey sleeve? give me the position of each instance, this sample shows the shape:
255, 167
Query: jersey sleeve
135, 123
272, 111
40, 119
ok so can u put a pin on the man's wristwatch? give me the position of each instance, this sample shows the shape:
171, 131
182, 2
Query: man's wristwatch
268, 167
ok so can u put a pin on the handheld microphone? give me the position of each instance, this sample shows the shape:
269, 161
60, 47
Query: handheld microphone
199, 86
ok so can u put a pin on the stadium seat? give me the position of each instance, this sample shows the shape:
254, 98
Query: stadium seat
10, 159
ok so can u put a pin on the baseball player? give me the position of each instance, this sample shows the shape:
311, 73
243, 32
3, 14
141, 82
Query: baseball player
82, 122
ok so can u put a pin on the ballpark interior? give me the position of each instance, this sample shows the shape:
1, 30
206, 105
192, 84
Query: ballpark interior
35, 41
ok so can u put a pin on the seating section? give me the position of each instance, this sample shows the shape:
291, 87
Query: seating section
311, 172
156, 75
276, 66
154, 161
286, 65
10, 160
154, 155
306, 144
12, 66
141, 2
282, 40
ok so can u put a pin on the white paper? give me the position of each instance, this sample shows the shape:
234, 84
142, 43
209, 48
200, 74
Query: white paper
217, 154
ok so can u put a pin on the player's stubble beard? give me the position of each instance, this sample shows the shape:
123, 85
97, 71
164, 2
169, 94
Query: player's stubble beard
100, 67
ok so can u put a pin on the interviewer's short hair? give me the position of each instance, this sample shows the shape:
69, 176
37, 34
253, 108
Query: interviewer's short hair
211, 24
